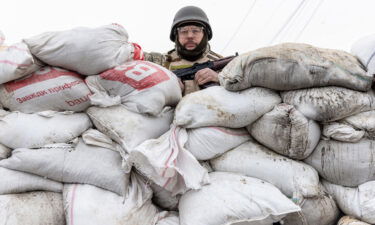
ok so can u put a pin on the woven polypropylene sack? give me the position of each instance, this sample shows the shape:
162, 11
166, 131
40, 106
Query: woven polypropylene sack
364, 50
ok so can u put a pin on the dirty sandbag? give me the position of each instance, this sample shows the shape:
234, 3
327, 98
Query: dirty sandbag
49, 88
286, 131
13, 181
209, 142
357, 201
143, 87
363, 121
32, 208
294, 178
291, 66
232, 198
128, 128
16, 61
341, 132
364, 50
321, 210
216, 106
83, 202
21, 130
167, 163
88, 51
72, 163
349, 220
344, 163
329, 103
4, 151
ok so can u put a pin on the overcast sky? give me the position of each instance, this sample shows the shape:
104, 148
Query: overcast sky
238, 25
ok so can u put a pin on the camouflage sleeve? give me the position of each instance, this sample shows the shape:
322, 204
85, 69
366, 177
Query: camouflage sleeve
156, 57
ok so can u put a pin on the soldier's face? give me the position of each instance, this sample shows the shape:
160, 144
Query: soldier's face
190, 36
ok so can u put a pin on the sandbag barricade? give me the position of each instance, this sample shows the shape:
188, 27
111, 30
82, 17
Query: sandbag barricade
50, 88
88, 51
143, 87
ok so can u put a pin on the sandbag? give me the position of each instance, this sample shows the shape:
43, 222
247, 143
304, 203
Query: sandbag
293, 178
21, 130
209, 142
88, 51
86, 204
342, 132
216, 106
50, 88
4, 152
320, 210
232, 198
32, 208
72, 164
16, 61
127, 128
364, 50
344, 163
168, 164
348, 220
13, 182
358, 202
286, 131
363, 121
290, 66
329, 103
141, 86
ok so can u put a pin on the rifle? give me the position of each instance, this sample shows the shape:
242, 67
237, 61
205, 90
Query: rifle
216, 65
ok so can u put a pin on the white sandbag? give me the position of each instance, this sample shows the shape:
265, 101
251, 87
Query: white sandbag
286, 131
16, 61
348, 220
358, 202
50, 88
329, 103
344, 163
13, 181
232, 198
127, 128
363, 121
293, 178
72, 164
88, 51
86, 204
4, 152
21, 130
209, 142
364, 49
290, 66
320, 210
32, 208
168, 164
164, 198
170, 219
342, 132
141, 86
216, 106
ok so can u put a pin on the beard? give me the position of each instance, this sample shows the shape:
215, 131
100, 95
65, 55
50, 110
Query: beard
194, 54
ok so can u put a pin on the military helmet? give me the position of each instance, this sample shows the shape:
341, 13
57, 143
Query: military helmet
190, 14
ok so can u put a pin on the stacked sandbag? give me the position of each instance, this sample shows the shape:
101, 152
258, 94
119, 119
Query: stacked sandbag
16, 61
358, 201
364, 50
49, 88
143, 87
32, 208
232, 198
88, 51
291, 66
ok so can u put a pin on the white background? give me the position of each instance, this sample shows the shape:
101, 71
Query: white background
238, 25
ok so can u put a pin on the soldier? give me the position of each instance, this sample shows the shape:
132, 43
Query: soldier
190, 32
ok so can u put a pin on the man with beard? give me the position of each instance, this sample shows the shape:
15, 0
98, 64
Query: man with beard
190, 32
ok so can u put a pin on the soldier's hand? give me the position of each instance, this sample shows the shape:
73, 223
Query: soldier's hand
206, 75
